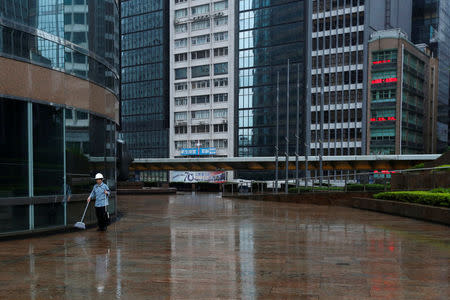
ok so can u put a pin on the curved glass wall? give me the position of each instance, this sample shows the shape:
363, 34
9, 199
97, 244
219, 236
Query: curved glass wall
79, 37
48, 157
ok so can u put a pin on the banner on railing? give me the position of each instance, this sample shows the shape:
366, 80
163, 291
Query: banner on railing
193, 177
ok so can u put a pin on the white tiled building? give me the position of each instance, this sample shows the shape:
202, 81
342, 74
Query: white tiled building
201, 75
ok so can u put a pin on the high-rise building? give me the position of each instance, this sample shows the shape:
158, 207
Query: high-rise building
201, 78
431, 25
145, 77
59, 109
339, 52
402, 89
269, 34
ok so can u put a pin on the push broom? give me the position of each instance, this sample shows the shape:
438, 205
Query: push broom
81, 225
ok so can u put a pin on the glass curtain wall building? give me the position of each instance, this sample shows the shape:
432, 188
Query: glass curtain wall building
431, 25
269, 34
145, 77
59, 103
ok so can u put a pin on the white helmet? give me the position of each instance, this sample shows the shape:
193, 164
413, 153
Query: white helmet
98, 176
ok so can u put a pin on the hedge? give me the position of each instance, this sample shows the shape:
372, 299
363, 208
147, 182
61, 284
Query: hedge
369, 187
420, 197
303, 189
440, 190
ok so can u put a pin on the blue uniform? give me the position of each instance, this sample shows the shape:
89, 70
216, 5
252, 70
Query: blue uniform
98, 192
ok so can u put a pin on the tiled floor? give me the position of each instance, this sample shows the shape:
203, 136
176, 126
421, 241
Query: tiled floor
206, 247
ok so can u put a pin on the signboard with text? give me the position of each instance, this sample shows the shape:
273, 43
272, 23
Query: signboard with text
193, 177
198, 151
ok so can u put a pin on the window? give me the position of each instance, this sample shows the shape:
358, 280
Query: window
181, 43
221, 68
221, 144
220, 127
221, 51
181, 129
384, 55
180, 57
180, 28
181, 144
220, 97
200, 128
200, 84
200, 143
180, 13
180, 1
180, 101
78, 18
221, 82
221, 21
182, 86
220, 113
181, 116
181, 73
199, 25
200, 114
200, 99
199, 10
221, 5
221, 36
200, 40
200, 54
200, 71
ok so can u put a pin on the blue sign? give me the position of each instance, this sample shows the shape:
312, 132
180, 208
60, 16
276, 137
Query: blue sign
195, 151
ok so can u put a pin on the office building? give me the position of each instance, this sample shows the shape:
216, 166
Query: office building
145, 76
431, 25
59, 109
201, 78
402, 95
339, 51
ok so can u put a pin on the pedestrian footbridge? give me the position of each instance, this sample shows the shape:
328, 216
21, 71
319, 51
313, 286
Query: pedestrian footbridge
357, 162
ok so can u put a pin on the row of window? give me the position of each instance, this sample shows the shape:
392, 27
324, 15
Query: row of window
202, 128
219, 143
327, 5
202, 54
202, 39
336, 22
337, 151
142, 22
201, 9
202, 24
336, 134
200, 71
348, 77
201, 114
337, 41
202, 99
218, 82
338, 59
347, 96
333, 117
137, 7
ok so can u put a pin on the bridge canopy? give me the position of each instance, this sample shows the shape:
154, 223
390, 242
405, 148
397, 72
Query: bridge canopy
357, 162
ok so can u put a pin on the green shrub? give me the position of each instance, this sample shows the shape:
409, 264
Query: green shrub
443, 168
440, 190
369, 187
303, 189
420, 197
418, 166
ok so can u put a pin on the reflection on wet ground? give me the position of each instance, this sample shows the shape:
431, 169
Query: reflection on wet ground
206, 247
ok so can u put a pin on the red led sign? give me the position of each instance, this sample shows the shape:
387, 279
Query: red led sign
384, 80
382, 119
384, 172
382, 62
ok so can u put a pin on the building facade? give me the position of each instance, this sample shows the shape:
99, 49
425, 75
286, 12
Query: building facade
431, 25
201, 78
59, 109
402, 96
145, 77
339, 51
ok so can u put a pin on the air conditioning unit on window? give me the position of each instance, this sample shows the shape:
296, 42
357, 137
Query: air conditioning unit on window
224, 121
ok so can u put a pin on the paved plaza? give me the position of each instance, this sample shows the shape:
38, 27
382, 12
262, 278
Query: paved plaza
207, 247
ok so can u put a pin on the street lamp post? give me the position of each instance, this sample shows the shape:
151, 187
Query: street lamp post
286, 187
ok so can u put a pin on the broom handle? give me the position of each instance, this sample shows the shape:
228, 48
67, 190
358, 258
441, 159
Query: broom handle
82, 218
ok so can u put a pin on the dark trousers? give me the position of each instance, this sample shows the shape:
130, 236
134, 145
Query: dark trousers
102, 218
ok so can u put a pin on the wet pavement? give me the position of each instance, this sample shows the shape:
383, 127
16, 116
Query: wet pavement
206, 247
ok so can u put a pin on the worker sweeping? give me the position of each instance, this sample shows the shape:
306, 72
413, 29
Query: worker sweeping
100, 193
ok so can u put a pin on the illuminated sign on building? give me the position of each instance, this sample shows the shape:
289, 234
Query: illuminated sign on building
382, 119
381, 62
384, 80
198, 151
